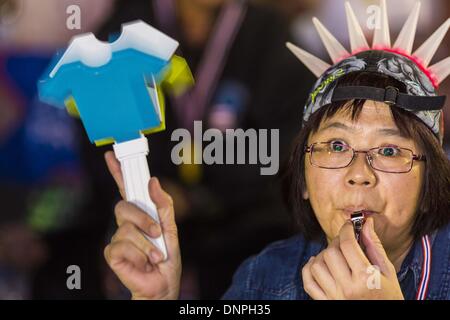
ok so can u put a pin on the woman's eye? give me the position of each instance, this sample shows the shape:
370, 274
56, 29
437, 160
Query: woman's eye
338, 146
389, 151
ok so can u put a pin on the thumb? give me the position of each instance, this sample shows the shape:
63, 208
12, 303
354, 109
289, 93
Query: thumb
374, 248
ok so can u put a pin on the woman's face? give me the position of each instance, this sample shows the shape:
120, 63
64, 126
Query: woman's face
335, 193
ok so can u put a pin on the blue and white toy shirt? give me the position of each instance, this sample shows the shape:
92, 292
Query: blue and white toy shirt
114, 84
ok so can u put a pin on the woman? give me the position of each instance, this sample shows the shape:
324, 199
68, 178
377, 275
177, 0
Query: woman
246, 91
371, 142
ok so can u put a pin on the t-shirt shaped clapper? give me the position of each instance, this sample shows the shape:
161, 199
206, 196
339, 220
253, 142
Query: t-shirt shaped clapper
116, 90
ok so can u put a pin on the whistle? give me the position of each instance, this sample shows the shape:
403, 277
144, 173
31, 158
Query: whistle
358, 219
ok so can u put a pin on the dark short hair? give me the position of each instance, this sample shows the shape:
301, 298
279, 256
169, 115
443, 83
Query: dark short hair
433, 210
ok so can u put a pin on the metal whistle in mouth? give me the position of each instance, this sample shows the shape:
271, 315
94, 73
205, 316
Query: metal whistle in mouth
358, 219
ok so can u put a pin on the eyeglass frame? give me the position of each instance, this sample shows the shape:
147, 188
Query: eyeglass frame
309, 149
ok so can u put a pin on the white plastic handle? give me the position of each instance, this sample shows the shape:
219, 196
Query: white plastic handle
136, 175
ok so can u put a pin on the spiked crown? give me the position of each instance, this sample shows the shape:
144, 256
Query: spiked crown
396, 61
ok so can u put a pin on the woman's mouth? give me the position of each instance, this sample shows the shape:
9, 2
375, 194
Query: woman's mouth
365, 211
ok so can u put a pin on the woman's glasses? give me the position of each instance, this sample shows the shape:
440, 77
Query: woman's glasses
338, 155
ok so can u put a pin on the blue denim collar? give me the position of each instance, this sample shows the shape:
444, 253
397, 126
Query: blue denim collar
276, 272
440, 268
412, 262
439, 285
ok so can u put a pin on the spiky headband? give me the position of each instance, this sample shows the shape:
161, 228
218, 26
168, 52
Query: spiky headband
397, 61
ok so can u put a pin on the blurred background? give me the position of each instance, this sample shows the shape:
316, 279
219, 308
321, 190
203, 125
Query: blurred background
56, 195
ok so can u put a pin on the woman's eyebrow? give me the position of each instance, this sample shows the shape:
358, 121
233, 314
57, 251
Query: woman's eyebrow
337, 125
392, 132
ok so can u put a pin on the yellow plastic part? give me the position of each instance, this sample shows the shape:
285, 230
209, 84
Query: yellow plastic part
179, 76
104, 142
71, 107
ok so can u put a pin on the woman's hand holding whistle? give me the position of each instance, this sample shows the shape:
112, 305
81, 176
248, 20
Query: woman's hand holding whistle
344, 271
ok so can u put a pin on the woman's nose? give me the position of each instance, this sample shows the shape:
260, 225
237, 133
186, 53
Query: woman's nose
360, 173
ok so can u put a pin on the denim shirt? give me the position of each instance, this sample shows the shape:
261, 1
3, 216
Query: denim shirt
275, 273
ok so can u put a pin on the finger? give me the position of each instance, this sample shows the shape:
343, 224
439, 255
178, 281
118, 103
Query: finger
323, 277
114, 168
336, 263
310, 285
164, 204
128, 212
374, 248
129, 232
351, 250
120, 254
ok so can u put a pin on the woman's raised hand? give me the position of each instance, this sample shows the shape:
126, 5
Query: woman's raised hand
135, 260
